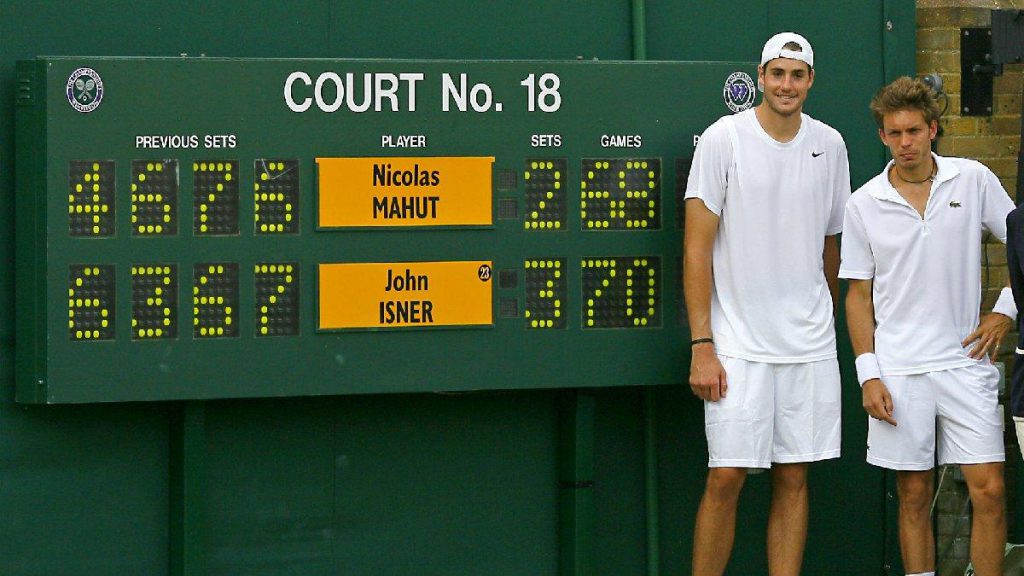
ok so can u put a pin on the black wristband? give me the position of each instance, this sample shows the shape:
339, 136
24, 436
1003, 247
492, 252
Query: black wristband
696, 341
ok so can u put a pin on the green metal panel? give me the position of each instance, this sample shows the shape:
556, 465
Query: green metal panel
683, 30
620, 530
448, 485
898, 42
502, 29
186, 479
83, 490
194, 98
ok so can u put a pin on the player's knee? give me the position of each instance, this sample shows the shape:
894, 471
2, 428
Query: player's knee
988, 494
915, 495
789, 478
725, 483
915, 505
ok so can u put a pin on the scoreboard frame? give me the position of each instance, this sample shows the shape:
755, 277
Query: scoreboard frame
581, 290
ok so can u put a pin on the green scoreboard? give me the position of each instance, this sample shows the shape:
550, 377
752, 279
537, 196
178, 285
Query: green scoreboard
218, 228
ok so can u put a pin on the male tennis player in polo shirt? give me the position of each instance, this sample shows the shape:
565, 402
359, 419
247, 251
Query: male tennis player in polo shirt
765, 199
912, 251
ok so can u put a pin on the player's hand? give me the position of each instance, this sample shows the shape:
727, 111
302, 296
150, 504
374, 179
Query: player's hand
877, 401
987, 336
707, 376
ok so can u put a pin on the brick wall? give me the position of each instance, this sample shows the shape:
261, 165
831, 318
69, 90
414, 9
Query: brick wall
993, 140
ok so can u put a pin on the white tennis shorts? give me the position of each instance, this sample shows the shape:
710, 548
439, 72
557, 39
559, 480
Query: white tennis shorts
783, 413
955, 410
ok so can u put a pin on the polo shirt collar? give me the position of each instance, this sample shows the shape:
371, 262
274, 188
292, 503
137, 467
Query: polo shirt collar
946, 170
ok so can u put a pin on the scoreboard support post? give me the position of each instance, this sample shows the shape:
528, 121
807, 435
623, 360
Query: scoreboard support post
576, 515
186, 552
651, 503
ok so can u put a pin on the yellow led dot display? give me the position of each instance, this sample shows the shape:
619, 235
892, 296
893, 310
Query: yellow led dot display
608, 298
545, 209
545, 291
94, 314
279, 194
91, 190
154, 300
215, 193
277, 298
617, 201
154, 198
215, 286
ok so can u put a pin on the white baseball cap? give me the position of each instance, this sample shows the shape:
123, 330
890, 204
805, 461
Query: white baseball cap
773, 48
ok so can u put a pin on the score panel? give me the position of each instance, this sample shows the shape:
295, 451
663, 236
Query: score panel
205, 228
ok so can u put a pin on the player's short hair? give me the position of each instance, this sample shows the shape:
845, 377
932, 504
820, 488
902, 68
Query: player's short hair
905, 93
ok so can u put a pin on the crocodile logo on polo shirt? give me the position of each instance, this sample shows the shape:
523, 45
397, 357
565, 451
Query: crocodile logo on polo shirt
954, 204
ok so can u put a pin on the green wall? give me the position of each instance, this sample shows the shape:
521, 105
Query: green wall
414, 484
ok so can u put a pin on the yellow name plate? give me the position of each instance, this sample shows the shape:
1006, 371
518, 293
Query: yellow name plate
405, 294
399, 192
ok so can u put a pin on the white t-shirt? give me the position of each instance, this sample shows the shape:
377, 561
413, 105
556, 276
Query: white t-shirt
776, 203
926, 271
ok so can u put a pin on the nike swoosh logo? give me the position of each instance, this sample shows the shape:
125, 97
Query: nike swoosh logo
816, 154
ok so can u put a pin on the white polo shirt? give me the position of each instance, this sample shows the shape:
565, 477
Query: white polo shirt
926, 271
776, 203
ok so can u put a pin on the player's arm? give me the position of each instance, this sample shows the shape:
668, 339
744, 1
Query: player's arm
993, 327
996, 205
860, 317
830, 258
707, 376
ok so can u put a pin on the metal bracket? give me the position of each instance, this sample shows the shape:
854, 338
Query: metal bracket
1007, 36
976, 71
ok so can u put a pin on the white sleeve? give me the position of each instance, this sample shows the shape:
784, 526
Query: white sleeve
995, 205
858, 263
839, 175
709, 172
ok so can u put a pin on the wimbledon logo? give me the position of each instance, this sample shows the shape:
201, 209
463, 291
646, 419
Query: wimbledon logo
739, 91
85, 90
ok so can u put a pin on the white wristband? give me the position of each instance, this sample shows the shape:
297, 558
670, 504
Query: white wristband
1005, 304
867, 367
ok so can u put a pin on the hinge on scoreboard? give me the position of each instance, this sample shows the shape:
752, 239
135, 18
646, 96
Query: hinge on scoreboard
23, 94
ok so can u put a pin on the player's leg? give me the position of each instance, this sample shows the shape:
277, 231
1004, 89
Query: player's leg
915, 489
807, 428
971, 434
716, 520
787, 520
988, 517
739, 436
909, 449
